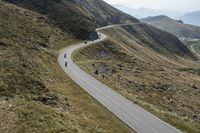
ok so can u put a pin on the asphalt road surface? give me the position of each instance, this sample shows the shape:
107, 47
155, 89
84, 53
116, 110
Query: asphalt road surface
131, 114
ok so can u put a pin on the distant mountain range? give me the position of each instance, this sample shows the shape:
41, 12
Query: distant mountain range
192, 18
145, 12
189, 18
176, 27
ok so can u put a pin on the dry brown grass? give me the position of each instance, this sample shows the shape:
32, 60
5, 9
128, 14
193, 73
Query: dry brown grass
166, 85
36, 96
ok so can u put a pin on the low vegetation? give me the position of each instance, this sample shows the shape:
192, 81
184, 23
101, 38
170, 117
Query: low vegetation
160, 76
196, 44
144, 64
35, 94
79, 17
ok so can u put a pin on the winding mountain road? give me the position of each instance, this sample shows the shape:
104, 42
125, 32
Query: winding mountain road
131, 114
194, 51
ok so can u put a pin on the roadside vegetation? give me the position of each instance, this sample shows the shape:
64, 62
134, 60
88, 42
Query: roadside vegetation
196, 44
163, 78
35, 94
140, 62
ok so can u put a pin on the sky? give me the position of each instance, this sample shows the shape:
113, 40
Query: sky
172, 5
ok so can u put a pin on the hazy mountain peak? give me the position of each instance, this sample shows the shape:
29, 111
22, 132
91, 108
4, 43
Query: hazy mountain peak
145, 12
192, 18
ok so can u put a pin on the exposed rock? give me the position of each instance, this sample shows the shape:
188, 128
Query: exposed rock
113, 71
120, 65
130, 82
44, 45
103, 69
185, 91
49, 99
195, 86
182, 114
170, 109
41, 18
162, 87
194, 116
171, 101
180, 21
3, 44
103, 54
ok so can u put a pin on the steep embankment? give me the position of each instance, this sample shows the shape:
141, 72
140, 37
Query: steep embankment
153, 38
194, 45
150, 67
78, 17
35, 94
177, 28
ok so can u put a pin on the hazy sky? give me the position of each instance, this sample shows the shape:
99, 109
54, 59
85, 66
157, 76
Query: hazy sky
174, 5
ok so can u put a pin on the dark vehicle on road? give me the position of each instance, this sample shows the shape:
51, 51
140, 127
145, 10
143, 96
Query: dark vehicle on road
66, 64
65, 56
85, 42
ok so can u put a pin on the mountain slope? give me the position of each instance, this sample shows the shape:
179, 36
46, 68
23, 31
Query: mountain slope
78, 17
192, 18
174, 27
150, 67
155, 39
35, 94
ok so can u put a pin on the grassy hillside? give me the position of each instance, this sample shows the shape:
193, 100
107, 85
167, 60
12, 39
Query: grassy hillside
136, 63
153, 38
197, 48
78, 17
174, 27
35, 94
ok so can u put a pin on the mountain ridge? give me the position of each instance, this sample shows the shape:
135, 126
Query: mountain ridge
145, 12
77, 17
175, 27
